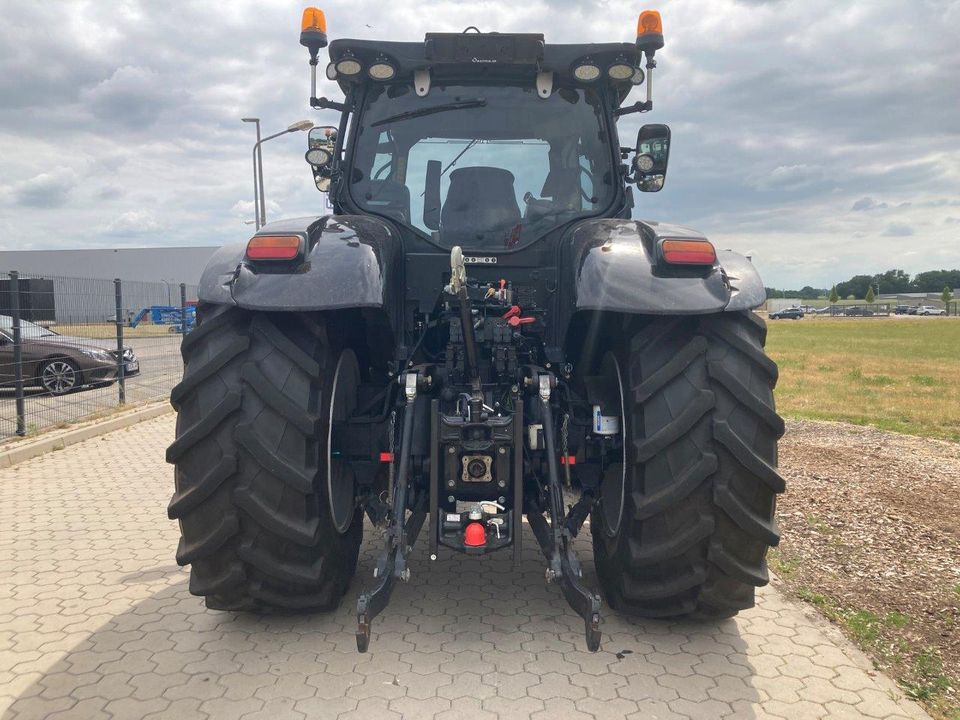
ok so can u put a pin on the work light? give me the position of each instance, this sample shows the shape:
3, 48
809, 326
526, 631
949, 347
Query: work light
586, 71
318, 157
382, 70
620, 69
348, 65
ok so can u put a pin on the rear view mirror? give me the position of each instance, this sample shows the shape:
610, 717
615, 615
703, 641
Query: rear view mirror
652, 154
321, 146
431, 195
322, 136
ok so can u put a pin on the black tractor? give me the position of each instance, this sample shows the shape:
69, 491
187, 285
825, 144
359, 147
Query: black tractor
476, 334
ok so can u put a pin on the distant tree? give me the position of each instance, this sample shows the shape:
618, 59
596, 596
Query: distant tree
869, 297
834, 295
932, 280
894, 281
946, 295
856, 286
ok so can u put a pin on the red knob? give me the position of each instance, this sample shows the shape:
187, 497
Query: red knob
475, 535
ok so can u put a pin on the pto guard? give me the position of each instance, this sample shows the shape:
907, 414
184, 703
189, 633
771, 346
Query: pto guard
614, 269
347, 265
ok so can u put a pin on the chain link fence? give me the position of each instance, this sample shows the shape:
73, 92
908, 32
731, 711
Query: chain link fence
75, 348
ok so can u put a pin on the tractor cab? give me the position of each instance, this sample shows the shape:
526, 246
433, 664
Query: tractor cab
486, 141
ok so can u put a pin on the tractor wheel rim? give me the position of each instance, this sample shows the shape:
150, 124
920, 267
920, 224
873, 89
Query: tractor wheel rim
340, 478
613, 484
59, 377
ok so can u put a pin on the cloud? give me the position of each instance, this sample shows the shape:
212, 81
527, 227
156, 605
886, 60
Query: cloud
898, 230
867, 203
133, 222
131, 96
791, 177
122, 122
46, 190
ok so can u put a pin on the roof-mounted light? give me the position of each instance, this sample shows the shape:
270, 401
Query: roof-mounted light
649, 31
620, 69
637, 77
331, 71
586, 71
382, 70
348, 65
313, 30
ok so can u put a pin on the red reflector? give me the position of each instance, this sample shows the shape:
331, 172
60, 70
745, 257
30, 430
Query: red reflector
688, 252
274, 247
475, 535
568, 459
386, 457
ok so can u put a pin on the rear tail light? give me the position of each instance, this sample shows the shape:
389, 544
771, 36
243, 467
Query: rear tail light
688, 252
274, 247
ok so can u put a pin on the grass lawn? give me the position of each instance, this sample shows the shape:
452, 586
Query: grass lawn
895, 374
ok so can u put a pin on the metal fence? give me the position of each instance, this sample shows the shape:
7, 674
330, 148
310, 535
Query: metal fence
75, 348
862, 310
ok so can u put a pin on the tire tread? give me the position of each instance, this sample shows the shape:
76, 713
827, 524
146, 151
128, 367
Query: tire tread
703, 480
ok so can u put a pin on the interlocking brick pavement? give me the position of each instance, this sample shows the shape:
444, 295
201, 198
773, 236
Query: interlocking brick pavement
96, 622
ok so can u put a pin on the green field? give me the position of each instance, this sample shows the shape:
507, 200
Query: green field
896, 374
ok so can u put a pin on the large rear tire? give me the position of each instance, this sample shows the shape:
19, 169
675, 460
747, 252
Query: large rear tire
700, 433
250, 456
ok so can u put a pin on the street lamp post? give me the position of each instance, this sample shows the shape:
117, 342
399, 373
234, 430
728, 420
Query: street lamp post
257, 174
258, 184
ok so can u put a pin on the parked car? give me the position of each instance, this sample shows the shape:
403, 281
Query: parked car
858, 311
793, 313
901, 310
930, 310
57, 363
913, 310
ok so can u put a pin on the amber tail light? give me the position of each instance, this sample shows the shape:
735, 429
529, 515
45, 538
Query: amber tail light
274, 247
688, 252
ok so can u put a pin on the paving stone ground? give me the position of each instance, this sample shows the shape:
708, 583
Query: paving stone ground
96, 622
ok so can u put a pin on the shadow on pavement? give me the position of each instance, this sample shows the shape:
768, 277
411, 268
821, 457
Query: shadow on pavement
465, 636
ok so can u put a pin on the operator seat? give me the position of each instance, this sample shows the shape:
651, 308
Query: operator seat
560, 193
480, 208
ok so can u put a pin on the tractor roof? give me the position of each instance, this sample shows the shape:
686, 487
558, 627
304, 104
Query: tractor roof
493, 57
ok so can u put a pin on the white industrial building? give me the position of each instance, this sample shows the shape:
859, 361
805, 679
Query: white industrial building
82, 280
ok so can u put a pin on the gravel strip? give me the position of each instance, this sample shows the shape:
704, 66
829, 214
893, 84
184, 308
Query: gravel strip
871, 534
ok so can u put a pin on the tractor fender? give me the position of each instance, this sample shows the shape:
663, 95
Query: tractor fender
614, 268
350, 262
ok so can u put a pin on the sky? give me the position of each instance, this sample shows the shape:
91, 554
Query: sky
820, 137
